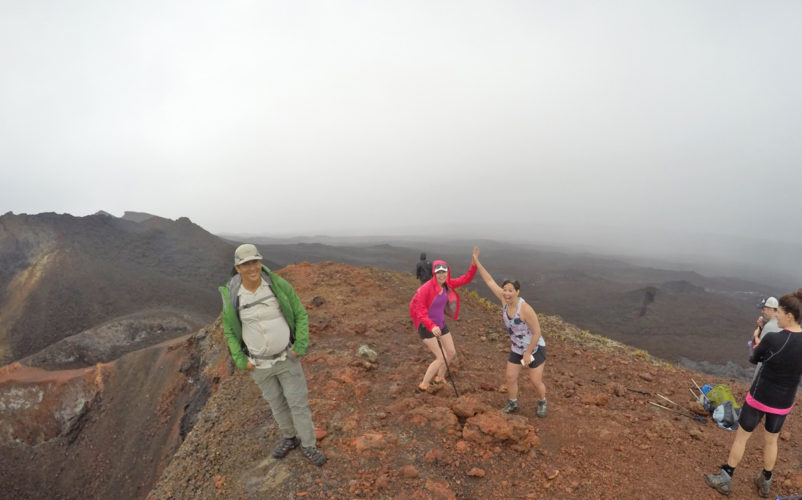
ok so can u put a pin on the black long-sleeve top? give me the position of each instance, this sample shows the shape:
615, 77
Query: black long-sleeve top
777, 380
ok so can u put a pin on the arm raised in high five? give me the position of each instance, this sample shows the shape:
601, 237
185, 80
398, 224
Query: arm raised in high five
489, 281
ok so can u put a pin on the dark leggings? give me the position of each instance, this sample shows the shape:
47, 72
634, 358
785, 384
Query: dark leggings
750, 417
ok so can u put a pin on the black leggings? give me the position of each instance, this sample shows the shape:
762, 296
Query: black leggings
750, 417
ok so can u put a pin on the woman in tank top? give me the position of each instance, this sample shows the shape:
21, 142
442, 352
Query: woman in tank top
528, 347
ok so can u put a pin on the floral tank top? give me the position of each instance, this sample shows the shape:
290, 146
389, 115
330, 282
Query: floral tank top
520, 334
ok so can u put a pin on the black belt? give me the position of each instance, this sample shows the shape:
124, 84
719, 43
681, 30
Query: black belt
274, 356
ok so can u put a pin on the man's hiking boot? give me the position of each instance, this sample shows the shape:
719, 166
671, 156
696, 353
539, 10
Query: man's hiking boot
721, 482
284, 446
512, 406
763, 485
314, 455
542, 408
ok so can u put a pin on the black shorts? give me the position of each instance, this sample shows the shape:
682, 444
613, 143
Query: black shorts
750, 417
426, 334
539, 357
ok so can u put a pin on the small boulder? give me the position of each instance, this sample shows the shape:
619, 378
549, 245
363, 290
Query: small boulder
374, 440
366, 353
440, 490
551, 473
476, 472
409, 472
468, 406
433, 455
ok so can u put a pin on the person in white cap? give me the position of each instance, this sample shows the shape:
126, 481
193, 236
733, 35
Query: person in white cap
767, 321
267, 331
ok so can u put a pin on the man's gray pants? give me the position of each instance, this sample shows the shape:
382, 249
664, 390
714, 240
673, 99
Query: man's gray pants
283, 385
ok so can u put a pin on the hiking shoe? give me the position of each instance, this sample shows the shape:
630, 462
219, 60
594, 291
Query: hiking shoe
284, 446
542, 408
431, 388
314, 455
512, 407
721, 482
434, 388
763, 485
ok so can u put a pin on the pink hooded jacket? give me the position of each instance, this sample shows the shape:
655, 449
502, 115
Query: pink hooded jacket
419, 306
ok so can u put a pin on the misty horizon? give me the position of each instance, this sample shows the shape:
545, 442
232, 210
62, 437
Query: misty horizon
644, 128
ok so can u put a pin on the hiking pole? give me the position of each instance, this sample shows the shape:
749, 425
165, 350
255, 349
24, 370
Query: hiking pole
447, 368
673, 403
701, 392
687, 412
701, 420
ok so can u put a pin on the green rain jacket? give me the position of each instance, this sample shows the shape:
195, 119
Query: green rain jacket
291, 307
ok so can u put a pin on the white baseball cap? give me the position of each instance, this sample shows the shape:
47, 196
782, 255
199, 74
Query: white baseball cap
246, 253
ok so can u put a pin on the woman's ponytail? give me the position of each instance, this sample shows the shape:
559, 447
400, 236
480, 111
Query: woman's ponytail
792, 303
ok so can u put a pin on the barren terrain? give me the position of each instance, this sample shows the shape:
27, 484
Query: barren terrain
601, 439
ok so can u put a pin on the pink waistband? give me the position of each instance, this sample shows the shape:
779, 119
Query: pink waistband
767, 409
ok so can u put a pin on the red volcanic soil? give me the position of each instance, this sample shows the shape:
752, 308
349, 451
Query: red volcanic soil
601, 438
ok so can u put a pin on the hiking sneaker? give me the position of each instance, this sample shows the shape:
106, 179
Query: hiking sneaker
314, 455
721, 482
512, 406
434, 388
763, 485
430, 389
284, 446
542, 408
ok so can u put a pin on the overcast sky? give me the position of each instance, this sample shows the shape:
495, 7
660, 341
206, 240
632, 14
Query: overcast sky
588, 120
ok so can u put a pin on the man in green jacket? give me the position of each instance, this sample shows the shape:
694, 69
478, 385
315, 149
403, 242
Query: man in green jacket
267, 331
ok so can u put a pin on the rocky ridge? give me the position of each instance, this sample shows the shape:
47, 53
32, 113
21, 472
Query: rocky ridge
601, 439
62, 275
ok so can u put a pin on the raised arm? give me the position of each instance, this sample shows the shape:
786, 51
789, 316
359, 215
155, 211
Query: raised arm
489, 281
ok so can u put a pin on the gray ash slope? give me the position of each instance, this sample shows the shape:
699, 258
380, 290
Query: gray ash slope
61, 275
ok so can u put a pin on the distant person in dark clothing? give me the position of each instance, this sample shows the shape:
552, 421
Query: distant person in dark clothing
424, 269
771, 395
267, 331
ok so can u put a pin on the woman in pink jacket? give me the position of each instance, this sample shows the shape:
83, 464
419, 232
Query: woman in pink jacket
433, 301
